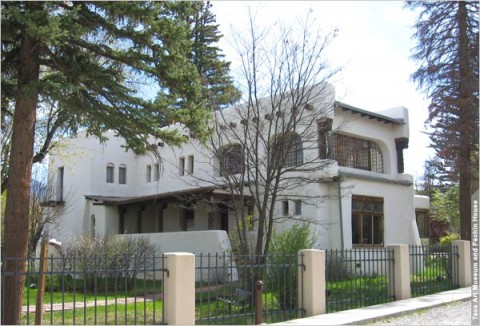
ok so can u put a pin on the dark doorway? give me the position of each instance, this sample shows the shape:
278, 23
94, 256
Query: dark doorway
223, 211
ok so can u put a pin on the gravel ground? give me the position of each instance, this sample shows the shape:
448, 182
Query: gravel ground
456, 313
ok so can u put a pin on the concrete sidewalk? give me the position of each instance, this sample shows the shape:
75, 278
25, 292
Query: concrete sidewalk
386, 310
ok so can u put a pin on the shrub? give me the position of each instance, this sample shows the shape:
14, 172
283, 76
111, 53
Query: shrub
93, 259
284, 248
449, 238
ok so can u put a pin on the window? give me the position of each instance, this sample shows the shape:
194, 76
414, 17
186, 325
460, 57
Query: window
367, 221
298, 207
122, 174
190, 164
181, 166
288, 149
357, 153
324, 128
110, 169
231, 160
156, 172
285, 208
61, 173
149, 173
423, 223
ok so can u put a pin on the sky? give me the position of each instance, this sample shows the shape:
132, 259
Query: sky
373, 46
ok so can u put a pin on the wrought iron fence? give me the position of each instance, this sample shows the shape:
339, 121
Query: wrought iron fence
91, 290
434, 268
226, 288
358, 278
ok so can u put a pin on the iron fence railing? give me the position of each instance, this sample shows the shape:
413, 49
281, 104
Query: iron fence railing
226, 288
433, 269
91, 290
358, 278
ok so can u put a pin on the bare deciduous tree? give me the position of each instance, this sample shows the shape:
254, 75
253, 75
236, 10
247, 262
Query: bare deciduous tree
273, 146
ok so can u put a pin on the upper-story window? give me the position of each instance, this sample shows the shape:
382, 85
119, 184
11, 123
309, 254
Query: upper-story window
148, 174
122, 174
156, 172
289, 149
190, 166
181, 166
357, 153
110, 172
231, 159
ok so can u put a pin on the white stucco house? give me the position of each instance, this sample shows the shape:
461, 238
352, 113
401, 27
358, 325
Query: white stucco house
102, 190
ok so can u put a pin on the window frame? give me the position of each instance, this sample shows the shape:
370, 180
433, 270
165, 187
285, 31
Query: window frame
122, 174
288, 147
285, 208
181, 166
110, 172
231, 160
297, 207
362, 215
190, 164
156, 172
148, 173
357, 153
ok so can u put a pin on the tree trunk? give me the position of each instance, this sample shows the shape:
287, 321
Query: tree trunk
18, 191
466, 124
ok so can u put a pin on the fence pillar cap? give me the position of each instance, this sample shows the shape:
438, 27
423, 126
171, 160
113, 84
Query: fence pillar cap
179, 254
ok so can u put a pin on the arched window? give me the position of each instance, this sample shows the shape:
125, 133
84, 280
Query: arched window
357, 153
122, 174
288, 149
231, 159
110, 172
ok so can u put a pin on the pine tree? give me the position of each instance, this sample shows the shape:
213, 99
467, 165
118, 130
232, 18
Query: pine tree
447, 52
218, 90
90, 59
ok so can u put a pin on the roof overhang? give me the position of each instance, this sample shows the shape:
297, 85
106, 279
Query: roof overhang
370, 115
160, 197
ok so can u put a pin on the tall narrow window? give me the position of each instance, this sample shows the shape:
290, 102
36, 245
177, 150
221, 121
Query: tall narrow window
60, 176
156, 172
285, 208
298, 207
181, 166
110, 170
324, 128
190, 164
122, 174
367, 221
148, 173
92, 227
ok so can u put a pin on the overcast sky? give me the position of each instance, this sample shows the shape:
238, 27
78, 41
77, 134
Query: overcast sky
373, 47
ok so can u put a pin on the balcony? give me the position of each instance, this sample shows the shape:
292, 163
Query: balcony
52, 196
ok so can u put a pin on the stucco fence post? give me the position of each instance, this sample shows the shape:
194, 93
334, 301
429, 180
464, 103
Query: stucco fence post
401, 268
179, 289
464, 270
311, 281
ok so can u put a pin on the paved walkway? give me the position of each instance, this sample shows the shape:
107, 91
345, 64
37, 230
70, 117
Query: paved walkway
375, 313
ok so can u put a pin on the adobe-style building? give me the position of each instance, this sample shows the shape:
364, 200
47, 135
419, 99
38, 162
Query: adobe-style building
102, 190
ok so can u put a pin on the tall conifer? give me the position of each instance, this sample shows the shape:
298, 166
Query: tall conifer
447, 52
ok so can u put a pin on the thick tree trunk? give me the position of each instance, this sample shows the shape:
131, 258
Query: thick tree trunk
17, 204
466, 124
